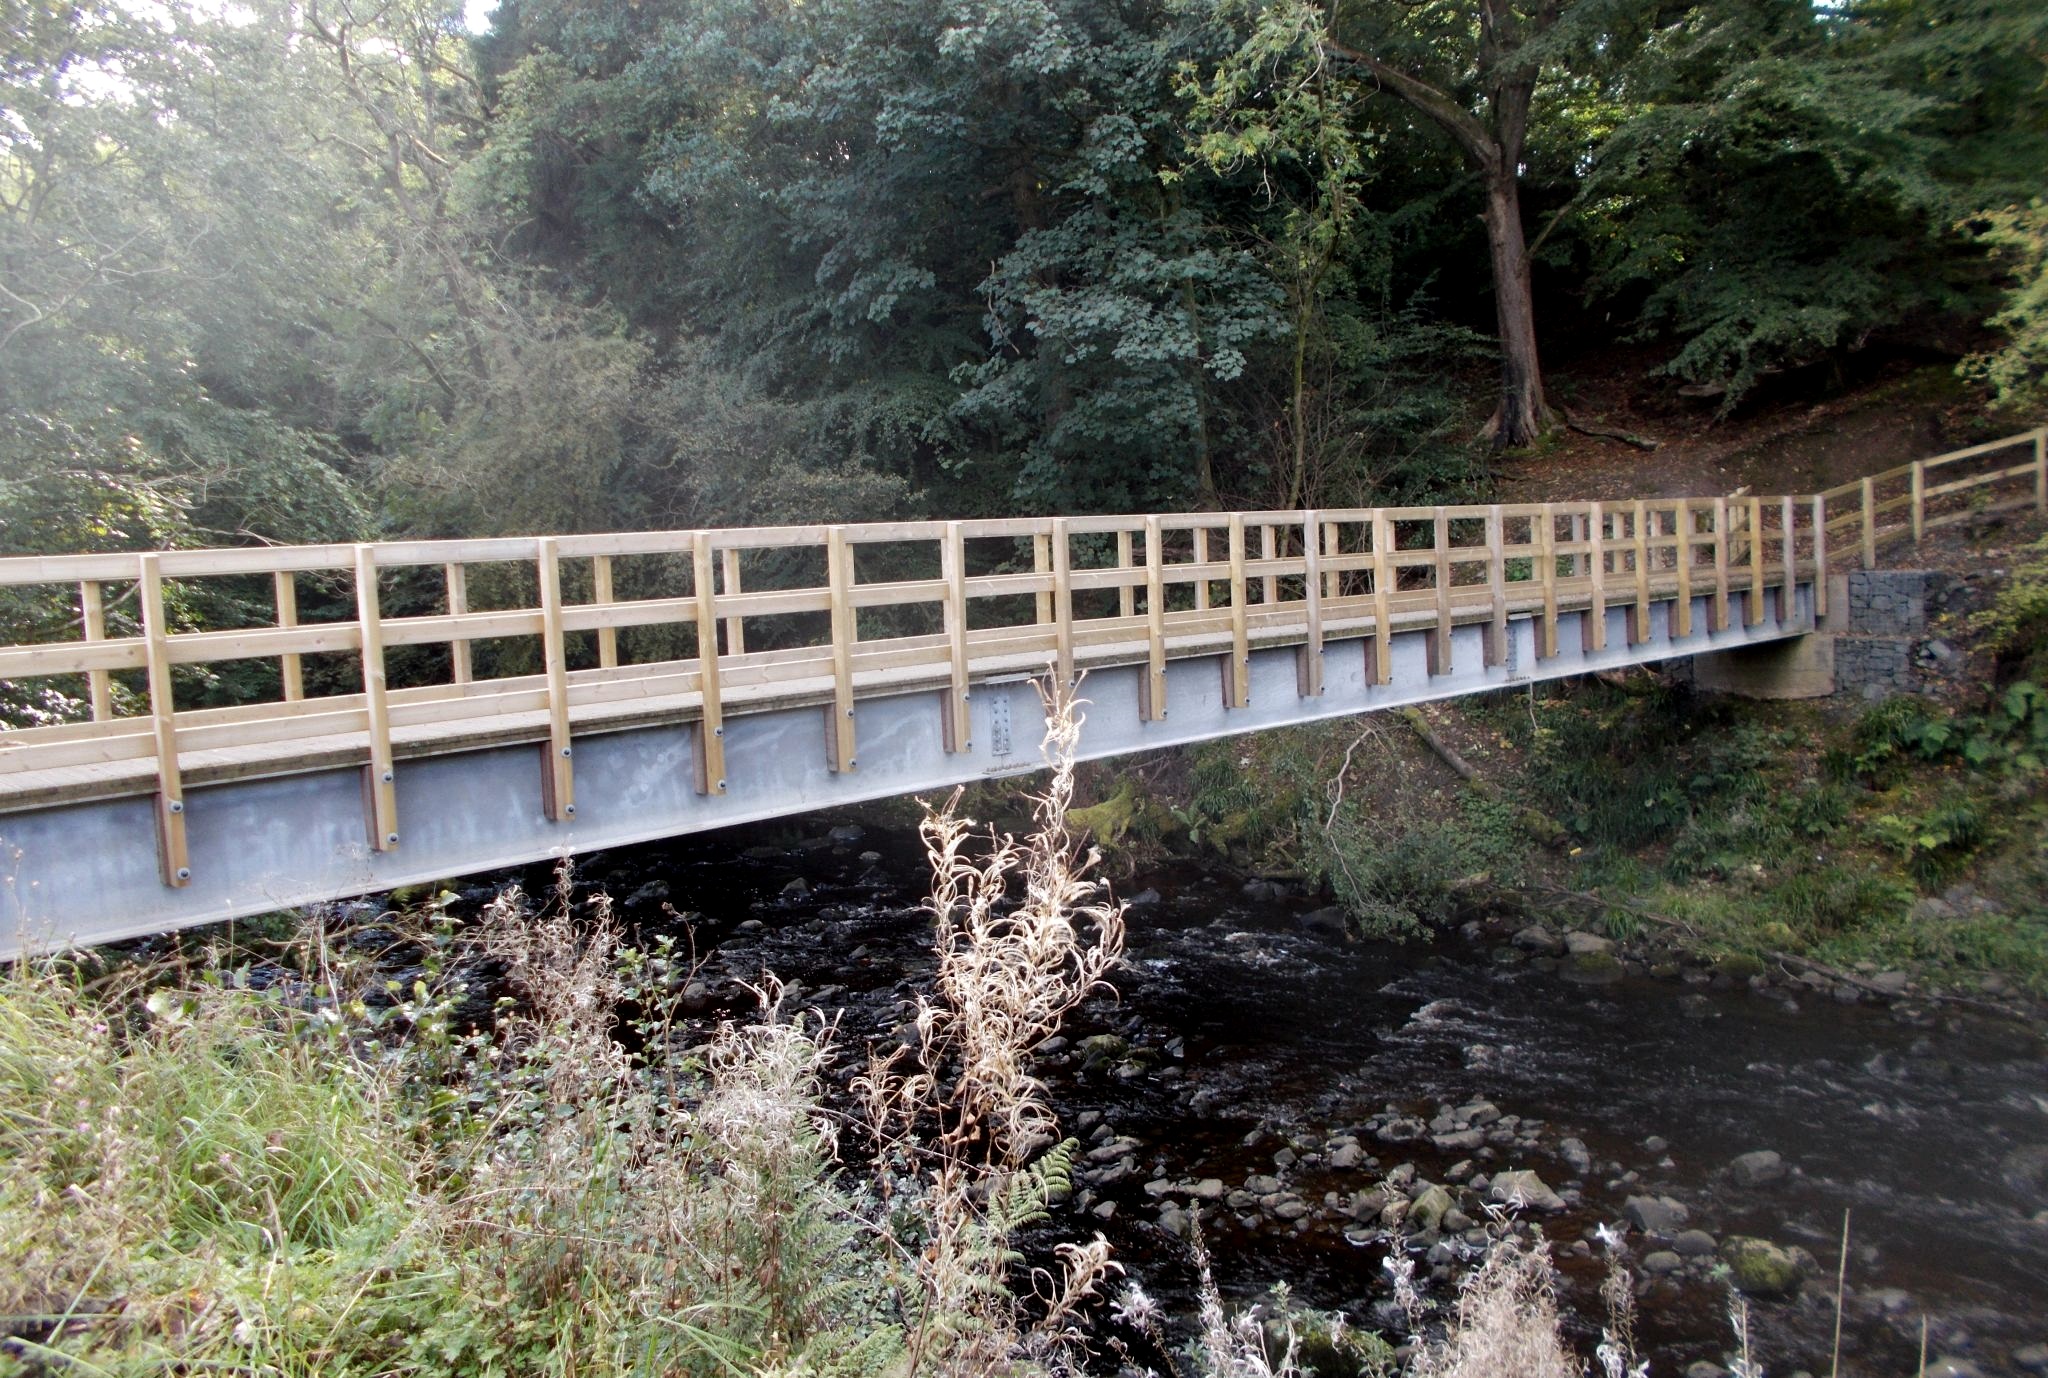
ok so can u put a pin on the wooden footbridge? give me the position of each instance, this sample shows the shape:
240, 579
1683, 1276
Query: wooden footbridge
429, 708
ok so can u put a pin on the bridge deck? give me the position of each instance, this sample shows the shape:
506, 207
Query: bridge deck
675, 680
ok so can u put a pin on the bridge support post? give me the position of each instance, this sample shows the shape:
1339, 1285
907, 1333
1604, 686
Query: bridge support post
380, 779
1152, 684
558, 775
1309, 664
711, 725
839, 578
173, 855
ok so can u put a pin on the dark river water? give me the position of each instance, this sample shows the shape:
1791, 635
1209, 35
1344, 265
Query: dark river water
1240, 1036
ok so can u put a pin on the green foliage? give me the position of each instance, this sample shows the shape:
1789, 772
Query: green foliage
2018, 239
2015, 626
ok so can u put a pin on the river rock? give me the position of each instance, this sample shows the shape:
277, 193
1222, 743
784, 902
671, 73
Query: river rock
1289, 1208
1428, 1209
1459, 1140
2025, 1171
1580, 944
847, 832
1661, 1262
1537, 938
1346, 1156
1758, 1169
1098, 1049
1480, 1112
1523, 1188
1331, 921
1575, 1154
1593, 968
1694, 1244
2032, 1358
1402, 1129
1262, 1184
1760, 1268
1655, 1214
1705, 1368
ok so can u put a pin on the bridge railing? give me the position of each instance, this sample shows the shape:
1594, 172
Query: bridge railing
625, 628
1907, 502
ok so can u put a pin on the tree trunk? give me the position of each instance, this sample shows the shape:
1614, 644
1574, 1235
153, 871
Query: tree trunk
1521, 415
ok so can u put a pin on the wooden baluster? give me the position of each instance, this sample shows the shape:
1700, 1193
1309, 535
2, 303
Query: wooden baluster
558, 776
290, 672
1546, 570
92, 617
601, 594
1682, 531
1201, 534
458, 604
1788, 555
1309, 678
1496, 652
839, 576
959, 730
1719, 622
174, 859
1869, 488
1919, 481
1237, 681
1062, 601
711, 777
1380, 649
1639, 622
735, 625
1593, 632
1333, 544
1152, 688
1440, 638
1041, 563
2041, 470
1269, 549
1755, 526
380, 781
1820, 556
1126, 595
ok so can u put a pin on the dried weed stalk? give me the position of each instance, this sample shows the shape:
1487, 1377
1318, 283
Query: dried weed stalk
1023, 935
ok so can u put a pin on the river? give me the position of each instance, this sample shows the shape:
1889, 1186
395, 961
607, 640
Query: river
1242, 1046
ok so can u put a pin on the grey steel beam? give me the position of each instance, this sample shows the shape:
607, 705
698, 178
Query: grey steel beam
87, 873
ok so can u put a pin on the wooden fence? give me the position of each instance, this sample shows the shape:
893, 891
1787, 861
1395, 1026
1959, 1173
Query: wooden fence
1000, 597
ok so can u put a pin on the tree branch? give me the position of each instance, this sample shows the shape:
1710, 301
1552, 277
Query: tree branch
1461, 124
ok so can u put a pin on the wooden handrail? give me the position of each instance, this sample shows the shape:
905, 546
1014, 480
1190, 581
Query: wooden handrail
1310, 579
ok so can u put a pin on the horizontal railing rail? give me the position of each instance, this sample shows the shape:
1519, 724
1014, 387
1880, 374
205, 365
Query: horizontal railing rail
753, 618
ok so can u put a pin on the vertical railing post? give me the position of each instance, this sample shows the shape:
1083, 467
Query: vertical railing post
711, 778
380, 787
959, 731
290, 671
1919, 480
1440, 551
1719, 621
1041, 563
1333, 580
1309, 682
1869, 488
1269, 549
1755, 523
1639, 529
558, 775
839, 579
458, 604
1201, 536
1237, 681
173, 858
1820, 556
1788, 557
735, 625
1594, 637
1683, 528
1546, 571
2041, 469
1152, 699
1126, 595
92, 619
1063, 600
1381, 646
601, 594
1496, 587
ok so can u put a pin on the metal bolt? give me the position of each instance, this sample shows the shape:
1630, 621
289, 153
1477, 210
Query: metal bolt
391, 839
565, 751
385, 777
718, 732
184, 873
568, 810
721, 786
852, 762
849, 712
177, 806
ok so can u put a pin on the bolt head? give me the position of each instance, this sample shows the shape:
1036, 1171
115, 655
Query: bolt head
849, 712
565, 751
184, 873
177, 806
721, 786
391, 839
718, 732
568, 810
852, 762
386, 777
